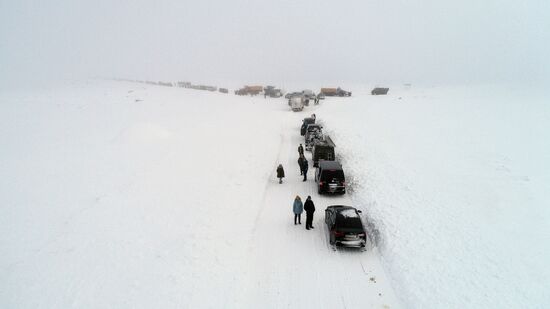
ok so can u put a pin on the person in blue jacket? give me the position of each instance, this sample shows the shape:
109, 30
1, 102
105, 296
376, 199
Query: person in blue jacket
298, 208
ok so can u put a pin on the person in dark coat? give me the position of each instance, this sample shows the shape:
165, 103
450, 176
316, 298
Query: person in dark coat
301, 163
280, 173
310, 209
297, 208
304, 168
300, 149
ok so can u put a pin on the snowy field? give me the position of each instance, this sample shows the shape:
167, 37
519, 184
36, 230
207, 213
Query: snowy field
120, 195
456, 180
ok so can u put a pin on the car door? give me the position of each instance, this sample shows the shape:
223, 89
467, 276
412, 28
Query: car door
329, 217
317, 174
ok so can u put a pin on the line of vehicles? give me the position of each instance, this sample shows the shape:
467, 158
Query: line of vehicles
329, 175
343, 222
268, 91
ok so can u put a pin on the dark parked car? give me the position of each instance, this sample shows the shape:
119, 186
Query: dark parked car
305, 123
323, 150
379, 91
223, 90
345, 226
330, 177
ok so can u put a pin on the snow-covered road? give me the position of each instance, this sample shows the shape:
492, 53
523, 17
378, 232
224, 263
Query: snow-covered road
296, 268
121, 195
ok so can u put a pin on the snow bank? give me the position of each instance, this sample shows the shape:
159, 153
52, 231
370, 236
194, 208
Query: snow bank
119, 195
456, 180
125, 195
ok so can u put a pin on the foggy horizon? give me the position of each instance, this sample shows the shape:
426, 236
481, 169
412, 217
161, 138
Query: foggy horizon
278, 42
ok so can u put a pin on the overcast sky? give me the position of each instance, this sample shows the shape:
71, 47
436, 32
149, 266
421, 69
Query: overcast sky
382, 41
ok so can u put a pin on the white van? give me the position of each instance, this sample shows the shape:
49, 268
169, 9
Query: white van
297, 103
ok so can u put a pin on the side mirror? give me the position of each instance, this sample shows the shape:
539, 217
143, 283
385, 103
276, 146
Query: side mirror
359, 211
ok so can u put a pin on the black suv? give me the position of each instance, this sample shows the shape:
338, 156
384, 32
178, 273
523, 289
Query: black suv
305, 123
345, 226
330, 177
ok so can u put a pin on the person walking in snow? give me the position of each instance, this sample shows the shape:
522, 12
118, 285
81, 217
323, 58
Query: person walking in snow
309, 207
304, 168
297, 208
301, 163
280, 173
300, 149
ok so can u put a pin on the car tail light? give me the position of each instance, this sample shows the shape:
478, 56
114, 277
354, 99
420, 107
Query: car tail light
338, 234
321, 183
361, 235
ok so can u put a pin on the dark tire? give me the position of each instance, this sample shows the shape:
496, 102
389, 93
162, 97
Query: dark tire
331, 239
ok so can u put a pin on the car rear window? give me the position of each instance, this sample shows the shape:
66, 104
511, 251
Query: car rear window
324, 152
348, 218
330, 175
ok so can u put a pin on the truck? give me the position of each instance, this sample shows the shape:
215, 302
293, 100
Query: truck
254, 90
272, 92
296, 103
251, 90
323, 150
335, 92
379, 91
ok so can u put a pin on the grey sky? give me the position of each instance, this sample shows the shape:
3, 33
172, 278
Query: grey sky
379, 41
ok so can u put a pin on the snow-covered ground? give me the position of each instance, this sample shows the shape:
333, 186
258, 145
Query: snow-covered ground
456, 180
121, 195
116, 195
